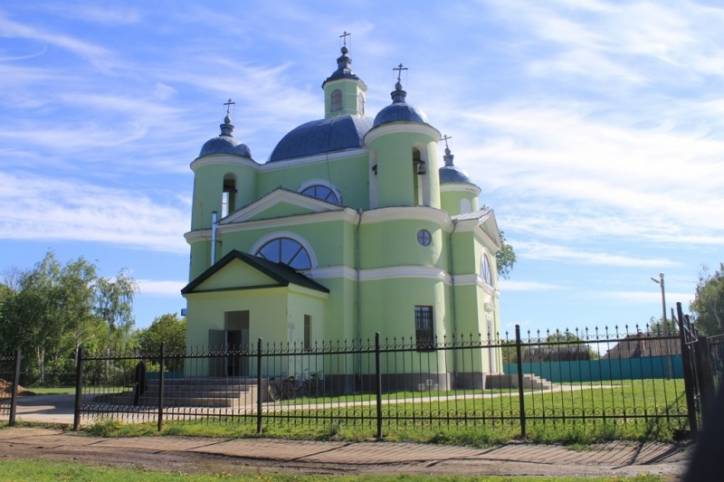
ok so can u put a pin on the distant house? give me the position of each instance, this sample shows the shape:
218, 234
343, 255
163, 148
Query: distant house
643, 345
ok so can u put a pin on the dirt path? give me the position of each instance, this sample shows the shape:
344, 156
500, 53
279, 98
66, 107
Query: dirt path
253, 455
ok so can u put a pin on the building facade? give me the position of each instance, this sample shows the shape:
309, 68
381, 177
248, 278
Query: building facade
352, 227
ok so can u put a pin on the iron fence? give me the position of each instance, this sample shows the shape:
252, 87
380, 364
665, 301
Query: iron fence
9, 370
395, 384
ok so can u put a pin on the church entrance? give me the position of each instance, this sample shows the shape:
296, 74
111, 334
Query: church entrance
233, 340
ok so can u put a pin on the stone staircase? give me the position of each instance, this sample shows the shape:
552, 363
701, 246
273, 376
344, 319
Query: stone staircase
211, 392
507, 380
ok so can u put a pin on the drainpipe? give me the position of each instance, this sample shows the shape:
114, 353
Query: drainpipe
213, 237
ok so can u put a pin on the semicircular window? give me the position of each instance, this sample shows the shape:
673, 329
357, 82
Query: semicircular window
286, 251
322, 192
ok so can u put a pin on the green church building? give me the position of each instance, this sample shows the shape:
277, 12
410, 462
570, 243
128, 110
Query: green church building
352, 226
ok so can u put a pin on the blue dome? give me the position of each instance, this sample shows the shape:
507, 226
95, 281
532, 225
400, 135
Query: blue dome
225, 145
399, 112
451, 174
322, 136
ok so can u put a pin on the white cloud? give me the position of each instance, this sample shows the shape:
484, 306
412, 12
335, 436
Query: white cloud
652, 297
550, 252
160, 287
515, 285
34, 207
96, 54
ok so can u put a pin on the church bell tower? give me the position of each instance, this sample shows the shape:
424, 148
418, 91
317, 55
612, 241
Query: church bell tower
344, 92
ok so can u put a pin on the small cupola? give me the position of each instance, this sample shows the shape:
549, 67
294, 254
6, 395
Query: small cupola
344, 92
399, 110
450, 173
225, 142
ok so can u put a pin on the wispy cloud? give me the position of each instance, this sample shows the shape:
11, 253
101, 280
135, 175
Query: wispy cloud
160, 287
516, 285
33, 207
550, 252
96, 54
650, 297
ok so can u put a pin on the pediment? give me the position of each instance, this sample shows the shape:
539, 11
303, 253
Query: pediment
279, 203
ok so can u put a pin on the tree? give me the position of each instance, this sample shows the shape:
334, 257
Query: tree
505, 257
168, 329
53, 308
708, 304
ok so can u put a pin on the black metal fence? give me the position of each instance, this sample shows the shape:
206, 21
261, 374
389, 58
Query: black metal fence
9, 373
637, 380
385, 384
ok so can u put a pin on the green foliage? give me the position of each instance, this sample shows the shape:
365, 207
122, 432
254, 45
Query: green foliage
505, 258
169, 329
53, 308
708, 305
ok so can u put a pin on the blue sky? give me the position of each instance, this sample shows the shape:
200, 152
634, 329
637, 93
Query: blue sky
594, 129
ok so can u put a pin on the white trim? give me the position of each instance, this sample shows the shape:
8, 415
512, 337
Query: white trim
323, 182
395, 272
275, 197
222, 159
473, 279
299, 161
401, 127
285, 234
198, 235
346, 215
459, 187
339, 81
418, 213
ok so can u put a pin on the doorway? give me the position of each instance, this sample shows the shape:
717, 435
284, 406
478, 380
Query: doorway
234, 341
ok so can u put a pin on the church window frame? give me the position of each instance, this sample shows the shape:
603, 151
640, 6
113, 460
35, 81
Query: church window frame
465, 206
424, 328
264, 240
321, 190
486, 272
228, 194
361, 103
424, 237
335, 100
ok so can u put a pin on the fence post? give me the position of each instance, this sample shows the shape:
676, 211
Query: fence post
705, 378
689, 382
78, 388
161, 384
14, 392
521, 399
258, 386
378, 386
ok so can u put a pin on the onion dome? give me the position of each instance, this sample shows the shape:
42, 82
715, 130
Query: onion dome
322, 136
225, 143
399, 110
451, 174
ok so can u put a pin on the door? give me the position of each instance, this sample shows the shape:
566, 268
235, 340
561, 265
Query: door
217, 346
237, 342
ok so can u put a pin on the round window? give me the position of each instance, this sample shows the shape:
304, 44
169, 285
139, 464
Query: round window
424, 237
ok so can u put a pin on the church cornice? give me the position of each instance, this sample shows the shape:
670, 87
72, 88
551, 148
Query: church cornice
303, 161
460, 187
402, 127
222, 159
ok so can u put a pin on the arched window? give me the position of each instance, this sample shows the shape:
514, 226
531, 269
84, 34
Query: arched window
361, 104
485, 271
465, 206
286, 251
228, 195
320, 191
336, 100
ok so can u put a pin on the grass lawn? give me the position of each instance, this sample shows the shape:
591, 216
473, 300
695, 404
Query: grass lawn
52, 390
42, 470
643, 410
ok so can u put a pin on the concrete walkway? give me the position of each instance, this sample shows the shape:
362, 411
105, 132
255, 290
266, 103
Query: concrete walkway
239, 455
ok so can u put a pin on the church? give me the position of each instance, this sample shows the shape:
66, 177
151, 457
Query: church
352, 227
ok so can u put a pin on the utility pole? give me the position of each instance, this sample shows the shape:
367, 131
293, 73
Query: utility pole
660, 282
